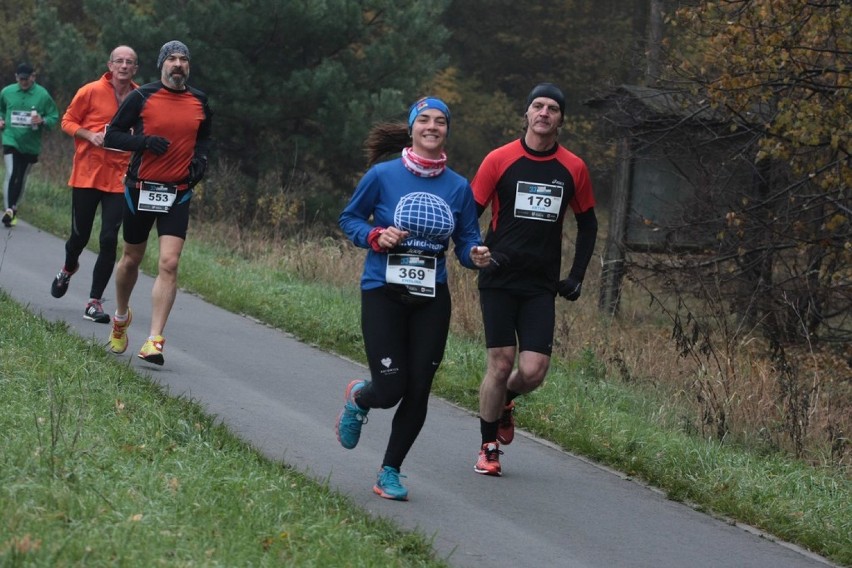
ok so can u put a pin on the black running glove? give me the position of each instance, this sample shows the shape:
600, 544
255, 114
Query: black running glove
499, 261
569, 288
197, 167
156, 144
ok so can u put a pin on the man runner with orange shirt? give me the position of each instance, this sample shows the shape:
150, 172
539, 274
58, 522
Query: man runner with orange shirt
96, 177
166, 124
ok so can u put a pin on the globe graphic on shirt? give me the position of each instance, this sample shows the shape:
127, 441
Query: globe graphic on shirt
424, 216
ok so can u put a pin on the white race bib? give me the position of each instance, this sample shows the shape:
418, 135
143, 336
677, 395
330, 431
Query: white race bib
22, 118
415, 272
156, 197
538, 201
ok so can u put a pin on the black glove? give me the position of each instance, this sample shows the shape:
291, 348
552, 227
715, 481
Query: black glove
499, 261
197, 167
569, 288
156, 144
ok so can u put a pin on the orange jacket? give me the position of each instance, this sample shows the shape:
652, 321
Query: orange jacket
92, 108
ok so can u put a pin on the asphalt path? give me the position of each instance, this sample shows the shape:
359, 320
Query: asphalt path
550, 508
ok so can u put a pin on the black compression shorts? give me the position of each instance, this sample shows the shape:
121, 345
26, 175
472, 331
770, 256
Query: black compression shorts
514, 319
138, 224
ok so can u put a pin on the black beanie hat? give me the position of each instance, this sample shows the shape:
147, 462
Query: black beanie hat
170, 47
550, 91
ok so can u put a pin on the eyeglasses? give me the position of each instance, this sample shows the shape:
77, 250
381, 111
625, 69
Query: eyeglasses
130, 62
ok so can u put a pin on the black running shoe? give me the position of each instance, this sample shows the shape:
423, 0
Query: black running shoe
95, 312
60, 283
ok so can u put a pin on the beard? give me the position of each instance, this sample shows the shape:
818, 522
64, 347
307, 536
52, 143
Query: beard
176, 80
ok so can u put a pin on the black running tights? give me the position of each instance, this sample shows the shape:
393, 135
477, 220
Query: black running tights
405, 344
84, 206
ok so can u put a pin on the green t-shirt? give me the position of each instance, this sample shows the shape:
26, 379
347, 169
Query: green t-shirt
16, 107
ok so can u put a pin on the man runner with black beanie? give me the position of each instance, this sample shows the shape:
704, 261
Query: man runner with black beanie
529, 184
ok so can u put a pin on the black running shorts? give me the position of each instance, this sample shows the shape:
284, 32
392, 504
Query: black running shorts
138, 224
514, 319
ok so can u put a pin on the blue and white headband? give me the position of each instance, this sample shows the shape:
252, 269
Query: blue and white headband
427, 103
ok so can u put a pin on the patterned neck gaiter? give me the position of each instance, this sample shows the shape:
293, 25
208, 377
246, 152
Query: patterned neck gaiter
423, 167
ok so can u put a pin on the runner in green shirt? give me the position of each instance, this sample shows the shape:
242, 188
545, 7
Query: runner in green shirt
26, 110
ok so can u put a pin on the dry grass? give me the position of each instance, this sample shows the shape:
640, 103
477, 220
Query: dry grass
804, 407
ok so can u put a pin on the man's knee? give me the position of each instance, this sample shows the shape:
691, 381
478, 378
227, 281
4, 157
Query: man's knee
501, 361
168, 264
132, 255
108, 242
532, 369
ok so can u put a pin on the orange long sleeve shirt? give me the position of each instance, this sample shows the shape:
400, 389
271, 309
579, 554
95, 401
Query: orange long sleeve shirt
95, 167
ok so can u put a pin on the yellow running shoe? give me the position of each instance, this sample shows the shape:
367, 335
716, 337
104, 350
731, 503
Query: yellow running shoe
152, 351
118, 336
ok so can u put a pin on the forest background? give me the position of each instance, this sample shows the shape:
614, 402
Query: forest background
752, 332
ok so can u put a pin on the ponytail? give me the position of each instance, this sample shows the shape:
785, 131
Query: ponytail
385, 139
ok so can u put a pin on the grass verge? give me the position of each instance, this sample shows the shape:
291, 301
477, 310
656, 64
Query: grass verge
101, 468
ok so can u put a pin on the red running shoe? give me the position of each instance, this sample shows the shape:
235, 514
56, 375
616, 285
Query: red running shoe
489, 460
506, 429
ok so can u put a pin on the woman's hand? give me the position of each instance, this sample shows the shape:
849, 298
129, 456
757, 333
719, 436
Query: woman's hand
480, 256
391, 237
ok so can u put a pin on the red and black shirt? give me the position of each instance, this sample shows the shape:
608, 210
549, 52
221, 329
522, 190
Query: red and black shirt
529, 193
181, 117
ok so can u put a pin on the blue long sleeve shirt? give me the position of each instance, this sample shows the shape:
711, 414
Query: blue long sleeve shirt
434, 211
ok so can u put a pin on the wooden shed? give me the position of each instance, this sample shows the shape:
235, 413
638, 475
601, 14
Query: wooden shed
678, 167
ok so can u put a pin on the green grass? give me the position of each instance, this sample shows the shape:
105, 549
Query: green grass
101, 468
627, 427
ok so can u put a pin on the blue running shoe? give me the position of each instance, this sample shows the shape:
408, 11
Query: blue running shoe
351, 418
388, 485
